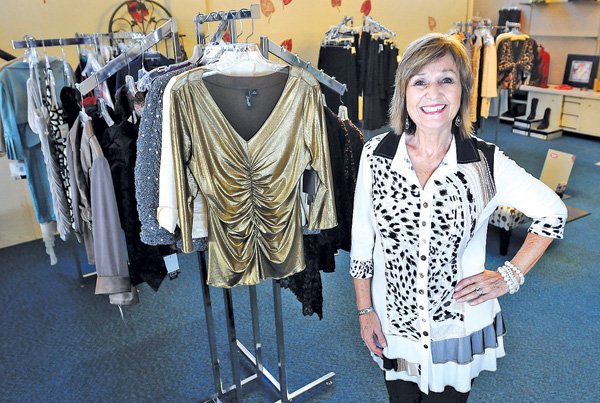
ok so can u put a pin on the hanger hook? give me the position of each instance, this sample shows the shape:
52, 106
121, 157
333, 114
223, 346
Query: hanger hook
96, 45
241, 29
45, 53
252, 32
128, 63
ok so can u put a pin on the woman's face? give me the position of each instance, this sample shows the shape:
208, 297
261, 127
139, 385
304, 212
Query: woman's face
433, 95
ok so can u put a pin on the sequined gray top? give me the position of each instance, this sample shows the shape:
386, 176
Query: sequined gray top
147, 167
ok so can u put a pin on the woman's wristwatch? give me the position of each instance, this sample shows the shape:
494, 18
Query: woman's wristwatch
365, 311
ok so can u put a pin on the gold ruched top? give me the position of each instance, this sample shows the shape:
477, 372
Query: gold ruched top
252, 188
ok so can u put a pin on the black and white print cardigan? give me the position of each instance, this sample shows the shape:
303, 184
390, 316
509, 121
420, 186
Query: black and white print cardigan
416, 243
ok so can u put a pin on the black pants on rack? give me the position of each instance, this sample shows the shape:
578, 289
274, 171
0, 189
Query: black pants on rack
340, 63
408, 392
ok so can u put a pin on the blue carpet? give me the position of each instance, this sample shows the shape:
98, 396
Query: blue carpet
60, 342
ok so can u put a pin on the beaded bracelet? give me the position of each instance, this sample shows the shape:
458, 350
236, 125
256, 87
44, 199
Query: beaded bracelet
513, 278
511, 281
516, 270
512, 285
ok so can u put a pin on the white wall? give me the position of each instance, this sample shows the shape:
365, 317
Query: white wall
17, 218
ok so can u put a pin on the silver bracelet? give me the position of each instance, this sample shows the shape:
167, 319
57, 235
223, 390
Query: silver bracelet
365, 311
518, 272
511, 281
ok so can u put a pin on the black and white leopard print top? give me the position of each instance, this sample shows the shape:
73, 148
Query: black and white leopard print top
417, 243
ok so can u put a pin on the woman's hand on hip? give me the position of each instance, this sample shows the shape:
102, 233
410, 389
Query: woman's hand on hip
481, 287
371, 333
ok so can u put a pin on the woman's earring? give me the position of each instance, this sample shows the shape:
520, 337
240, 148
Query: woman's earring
406, 124
458, 121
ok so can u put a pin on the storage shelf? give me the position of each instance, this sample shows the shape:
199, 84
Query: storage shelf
558, 2
574, 111
563, 36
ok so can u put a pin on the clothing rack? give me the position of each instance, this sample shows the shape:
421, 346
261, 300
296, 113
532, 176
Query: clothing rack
235, 346
38, 43
481, 23
345, 20
478, 24
514, 26
252, 13
335, 30
370, 22
514, 29
295, 60
167, 29
220, 31
115, 35
79, 39
341, 34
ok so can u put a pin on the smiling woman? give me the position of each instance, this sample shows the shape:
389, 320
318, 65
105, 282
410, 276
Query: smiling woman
433, 96
424, 51
427, 307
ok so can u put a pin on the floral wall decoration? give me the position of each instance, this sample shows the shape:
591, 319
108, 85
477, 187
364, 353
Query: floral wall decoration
365, 8
137, 10
336, 3
431, 22
287, 44
286, 2
227, 37
267, 7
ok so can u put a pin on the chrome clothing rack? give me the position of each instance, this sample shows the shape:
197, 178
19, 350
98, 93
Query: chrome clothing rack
168, 29
235, 346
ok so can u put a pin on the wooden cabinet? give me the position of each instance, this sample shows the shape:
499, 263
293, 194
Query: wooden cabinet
572, 110
589, 117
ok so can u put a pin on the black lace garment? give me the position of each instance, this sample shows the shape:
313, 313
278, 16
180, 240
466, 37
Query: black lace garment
320, 249
118, 143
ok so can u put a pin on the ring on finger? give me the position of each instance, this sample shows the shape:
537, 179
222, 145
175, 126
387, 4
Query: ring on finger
479, 291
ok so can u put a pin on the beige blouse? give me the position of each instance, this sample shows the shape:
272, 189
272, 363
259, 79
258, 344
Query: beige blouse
251, 187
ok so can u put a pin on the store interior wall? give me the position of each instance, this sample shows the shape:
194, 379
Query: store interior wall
562, 28
305, 24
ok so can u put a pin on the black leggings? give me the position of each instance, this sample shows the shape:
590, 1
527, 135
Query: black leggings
409, 392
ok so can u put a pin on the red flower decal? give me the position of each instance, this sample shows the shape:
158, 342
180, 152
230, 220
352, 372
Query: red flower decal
365, 8
286, 2
267, 7
336, 3
137, 11
287, 44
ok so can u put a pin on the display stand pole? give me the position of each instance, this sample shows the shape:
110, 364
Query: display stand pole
233, 341
210, 325
235, 346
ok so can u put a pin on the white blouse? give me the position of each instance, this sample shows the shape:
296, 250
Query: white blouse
416, 243
167, 213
